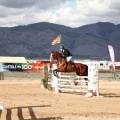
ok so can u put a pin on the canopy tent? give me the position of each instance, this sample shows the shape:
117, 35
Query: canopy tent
6, 59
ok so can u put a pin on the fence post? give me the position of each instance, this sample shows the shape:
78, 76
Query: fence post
45, 72
1, 76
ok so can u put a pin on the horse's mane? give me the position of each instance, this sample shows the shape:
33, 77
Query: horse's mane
57, 52
58, 55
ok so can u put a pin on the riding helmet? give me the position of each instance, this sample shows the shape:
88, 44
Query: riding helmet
61, 47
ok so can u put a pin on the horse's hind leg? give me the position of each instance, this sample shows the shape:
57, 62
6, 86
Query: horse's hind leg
86, 79
79, 74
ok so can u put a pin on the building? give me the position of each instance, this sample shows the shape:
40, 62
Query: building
7, 59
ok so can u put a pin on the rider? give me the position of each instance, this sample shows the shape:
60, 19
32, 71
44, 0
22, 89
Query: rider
67, 55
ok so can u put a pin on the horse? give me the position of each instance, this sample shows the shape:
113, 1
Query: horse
63, 66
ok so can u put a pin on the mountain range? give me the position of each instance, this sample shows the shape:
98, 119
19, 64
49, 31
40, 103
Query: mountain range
86, 42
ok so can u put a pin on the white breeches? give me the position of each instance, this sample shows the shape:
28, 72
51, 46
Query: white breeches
69, 58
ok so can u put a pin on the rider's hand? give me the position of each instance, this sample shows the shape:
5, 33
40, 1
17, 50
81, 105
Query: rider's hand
63, 56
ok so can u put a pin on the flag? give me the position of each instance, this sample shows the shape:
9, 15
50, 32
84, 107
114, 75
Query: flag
112, 56
56, 40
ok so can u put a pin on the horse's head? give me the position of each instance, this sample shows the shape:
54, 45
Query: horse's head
55, 56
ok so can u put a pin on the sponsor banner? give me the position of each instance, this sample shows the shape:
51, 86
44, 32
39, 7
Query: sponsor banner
32, 67
112, 55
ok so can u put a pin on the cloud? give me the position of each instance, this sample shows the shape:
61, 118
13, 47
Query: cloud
17, 3
114, 4
90, 11
42, 4
73, 13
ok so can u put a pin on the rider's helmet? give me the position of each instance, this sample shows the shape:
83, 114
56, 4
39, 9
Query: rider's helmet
61, 47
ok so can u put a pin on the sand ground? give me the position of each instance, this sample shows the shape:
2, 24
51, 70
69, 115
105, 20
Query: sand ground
26, 100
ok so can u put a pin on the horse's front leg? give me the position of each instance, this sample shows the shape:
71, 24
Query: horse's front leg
55, 73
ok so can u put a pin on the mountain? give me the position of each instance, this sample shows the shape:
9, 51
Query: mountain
85, 42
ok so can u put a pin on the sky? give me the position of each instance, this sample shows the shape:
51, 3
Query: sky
72, 13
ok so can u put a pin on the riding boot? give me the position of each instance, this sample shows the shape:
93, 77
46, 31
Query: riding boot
71, 63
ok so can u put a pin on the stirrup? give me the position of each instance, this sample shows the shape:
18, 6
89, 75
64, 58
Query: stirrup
72, 66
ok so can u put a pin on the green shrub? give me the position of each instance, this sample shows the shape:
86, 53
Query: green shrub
44, 82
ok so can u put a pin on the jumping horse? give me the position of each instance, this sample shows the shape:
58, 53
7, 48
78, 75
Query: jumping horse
63, 66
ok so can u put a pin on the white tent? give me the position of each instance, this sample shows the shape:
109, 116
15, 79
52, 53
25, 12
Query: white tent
5, 59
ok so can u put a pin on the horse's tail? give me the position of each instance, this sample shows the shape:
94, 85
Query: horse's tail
86, 70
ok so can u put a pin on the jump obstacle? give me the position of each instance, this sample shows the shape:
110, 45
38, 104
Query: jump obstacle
72, 83
1, 106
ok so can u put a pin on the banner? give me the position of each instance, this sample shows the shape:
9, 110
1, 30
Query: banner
13, 67
56, 40
112, 55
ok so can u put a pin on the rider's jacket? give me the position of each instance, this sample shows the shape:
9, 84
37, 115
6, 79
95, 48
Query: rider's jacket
66, 53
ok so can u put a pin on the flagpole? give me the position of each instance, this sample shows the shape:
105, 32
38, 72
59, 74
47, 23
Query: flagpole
60, 43
60, 39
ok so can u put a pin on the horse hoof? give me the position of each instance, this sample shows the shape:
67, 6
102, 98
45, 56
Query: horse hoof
59, 91
56, 76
